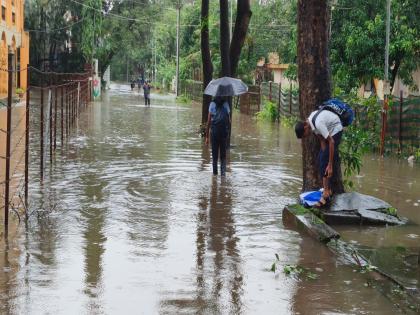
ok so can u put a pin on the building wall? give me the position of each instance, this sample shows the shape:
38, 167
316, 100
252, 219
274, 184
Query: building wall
15, 39
400, 86
279, 77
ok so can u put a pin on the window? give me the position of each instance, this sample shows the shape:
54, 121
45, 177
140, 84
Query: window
13, 18
3, 13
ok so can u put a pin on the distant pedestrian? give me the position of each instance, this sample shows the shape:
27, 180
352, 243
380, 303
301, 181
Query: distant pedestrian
146, 89
140, 84
219, 121
133, 84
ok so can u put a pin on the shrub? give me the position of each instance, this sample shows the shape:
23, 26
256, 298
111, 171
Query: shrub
269, 112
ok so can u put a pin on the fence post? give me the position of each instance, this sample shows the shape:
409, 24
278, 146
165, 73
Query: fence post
62, 118
28, 93
290, 99
67, 111
42, 130
71, 105
50, 102
55, 118
270, 91
400, 123
384, 121
8, 141
279, 103
78, 99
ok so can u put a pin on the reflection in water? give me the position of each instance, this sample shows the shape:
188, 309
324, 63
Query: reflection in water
94, 238
220, 240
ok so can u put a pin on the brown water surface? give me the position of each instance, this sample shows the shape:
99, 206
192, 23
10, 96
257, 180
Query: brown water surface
141, 226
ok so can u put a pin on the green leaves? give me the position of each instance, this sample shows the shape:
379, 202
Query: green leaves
294, 270
358, 42
269, 112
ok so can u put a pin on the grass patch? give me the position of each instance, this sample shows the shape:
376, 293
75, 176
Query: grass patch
183, 99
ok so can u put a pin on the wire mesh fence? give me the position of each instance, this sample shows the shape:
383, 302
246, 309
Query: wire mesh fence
33, 126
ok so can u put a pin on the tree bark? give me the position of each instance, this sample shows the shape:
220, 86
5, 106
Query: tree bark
205, 58
243, 18
224, 38
314, 83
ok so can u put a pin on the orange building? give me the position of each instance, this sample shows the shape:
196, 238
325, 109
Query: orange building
13, 39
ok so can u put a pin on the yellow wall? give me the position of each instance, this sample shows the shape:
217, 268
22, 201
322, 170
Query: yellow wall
13, 36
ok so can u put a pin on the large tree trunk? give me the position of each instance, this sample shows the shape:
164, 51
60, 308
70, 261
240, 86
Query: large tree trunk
243, 17
224, 37
314, 83
205, 58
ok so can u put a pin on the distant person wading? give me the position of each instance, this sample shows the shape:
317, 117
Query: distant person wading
146, 90
219, 120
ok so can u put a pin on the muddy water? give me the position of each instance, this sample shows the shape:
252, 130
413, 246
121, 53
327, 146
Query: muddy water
140, 226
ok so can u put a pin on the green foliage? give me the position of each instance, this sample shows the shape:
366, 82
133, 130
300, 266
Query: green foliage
417, 155
299, 271
294, 270
358, 41
288, 122
20, 91
355, 143
357, 139
392, 211
91, 28
184, 99
269, 112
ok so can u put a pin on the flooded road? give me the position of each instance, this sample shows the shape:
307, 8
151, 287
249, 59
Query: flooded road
140, 226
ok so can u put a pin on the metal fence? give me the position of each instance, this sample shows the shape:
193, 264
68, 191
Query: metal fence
192, 89
33, 128
402, 123
286, 99
250, 103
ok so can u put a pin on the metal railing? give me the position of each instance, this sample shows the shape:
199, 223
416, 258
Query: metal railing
40, 123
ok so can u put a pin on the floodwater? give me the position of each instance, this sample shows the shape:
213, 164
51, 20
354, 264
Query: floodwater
140, 226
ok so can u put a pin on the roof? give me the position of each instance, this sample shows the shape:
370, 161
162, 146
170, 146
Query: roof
281, 66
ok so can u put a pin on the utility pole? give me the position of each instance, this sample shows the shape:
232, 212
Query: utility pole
386, 85
178, 13
126, 69
231, 18
155, 49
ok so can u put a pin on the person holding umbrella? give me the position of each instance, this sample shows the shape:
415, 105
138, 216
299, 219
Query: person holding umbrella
219, 117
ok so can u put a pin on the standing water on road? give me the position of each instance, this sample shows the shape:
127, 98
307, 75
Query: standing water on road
140, 226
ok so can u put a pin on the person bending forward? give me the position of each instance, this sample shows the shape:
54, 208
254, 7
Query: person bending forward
327, 126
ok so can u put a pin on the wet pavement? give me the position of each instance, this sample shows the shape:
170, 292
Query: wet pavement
140, 226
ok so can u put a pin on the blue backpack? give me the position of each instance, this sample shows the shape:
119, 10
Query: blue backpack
220, 119
343, 110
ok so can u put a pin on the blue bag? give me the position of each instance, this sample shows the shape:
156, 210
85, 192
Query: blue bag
343, 110
310, 198
220, 120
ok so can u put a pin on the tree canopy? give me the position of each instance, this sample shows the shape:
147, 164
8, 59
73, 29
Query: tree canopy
139, 35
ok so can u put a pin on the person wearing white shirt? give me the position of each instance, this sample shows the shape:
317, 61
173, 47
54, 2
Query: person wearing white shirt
327, 126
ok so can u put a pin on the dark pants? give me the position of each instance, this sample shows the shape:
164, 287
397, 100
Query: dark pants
146, 99
218, 143
324, 155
